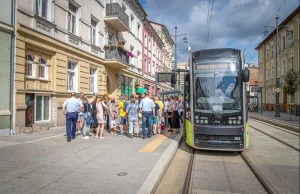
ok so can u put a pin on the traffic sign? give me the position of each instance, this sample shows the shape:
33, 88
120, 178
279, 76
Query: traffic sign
255, 89
277, 90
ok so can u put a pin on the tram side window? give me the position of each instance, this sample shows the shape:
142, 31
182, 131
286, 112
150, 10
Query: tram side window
187, 96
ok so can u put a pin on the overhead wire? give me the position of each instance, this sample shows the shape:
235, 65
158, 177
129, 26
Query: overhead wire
212, 7
207, 19
265, 25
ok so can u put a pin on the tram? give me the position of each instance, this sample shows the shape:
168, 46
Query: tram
215, 116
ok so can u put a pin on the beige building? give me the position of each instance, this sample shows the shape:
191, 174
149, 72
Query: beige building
72, 45
289, 54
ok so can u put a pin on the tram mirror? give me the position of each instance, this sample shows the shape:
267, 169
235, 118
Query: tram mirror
245, 75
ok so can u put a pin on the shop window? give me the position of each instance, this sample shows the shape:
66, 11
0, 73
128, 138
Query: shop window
42, 108
29, 66
72, 76
126, 86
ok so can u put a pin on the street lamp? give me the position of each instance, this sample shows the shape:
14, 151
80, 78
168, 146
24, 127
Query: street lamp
185, 40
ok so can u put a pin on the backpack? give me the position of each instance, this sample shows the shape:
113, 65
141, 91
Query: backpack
125, 106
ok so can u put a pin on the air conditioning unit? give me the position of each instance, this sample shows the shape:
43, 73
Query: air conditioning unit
137, 82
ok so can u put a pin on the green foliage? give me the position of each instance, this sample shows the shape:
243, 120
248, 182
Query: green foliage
291, 81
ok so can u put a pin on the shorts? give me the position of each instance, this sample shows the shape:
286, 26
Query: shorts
80, 118
123, 121
154, 120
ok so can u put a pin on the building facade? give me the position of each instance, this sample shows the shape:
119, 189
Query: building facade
7, 40
166, 55
152, 57
289, 54
253, 82
65, 46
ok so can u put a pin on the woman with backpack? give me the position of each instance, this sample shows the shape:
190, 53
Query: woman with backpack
101, 111
132, 113
87, 115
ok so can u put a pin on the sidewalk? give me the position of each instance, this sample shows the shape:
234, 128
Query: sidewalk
46, 163
282, 121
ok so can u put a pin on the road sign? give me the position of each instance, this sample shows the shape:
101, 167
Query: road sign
277, 90
164, 77
255, 89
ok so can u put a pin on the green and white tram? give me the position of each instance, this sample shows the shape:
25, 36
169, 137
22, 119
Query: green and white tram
216, 101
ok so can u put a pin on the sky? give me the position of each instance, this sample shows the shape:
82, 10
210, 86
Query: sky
234, 23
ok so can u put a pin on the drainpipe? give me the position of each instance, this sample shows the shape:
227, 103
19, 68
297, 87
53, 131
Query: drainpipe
12, 68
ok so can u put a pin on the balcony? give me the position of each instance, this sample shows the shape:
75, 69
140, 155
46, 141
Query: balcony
116, 57
116, 17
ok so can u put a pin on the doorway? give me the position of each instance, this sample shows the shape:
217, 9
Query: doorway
29, 101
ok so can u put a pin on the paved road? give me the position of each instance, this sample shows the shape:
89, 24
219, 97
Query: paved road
45, 163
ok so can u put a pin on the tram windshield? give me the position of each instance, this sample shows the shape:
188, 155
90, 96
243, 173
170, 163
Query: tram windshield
217, 86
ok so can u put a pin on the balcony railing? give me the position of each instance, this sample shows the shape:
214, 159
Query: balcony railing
116, 54
115, 10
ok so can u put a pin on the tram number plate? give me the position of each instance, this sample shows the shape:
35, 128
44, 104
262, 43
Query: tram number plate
237, 138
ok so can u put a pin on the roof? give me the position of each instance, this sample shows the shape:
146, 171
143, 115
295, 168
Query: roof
284, 22
166, 29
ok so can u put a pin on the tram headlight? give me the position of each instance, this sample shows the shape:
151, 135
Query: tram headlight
205, 121
197, 121
240, 117
230, 122
201, 121
239, 122
196, 117
234, 122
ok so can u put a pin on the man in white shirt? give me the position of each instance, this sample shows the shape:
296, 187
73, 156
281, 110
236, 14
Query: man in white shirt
71, 108
147, 107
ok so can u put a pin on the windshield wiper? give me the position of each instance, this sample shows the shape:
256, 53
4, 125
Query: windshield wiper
212, 110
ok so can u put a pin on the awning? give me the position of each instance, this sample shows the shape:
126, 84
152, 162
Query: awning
141, 90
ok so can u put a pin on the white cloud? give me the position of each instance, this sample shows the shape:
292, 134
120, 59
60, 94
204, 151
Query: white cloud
234, 22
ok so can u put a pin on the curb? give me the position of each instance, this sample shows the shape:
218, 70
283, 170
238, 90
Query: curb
270, 121
152, 181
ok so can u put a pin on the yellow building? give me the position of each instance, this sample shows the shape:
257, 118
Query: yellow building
72, 46
289, 54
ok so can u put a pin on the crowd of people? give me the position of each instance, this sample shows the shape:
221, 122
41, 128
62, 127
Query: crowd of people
85, 116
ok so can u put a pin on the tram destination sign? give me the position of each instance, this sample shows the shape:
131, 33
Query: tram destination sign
256, 89
164, 77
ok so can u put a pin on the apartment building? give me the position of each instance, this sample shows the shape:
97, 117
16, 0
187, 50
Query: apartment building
123, 41
152, 57
6, 64
253, 82
289, 54
168, 43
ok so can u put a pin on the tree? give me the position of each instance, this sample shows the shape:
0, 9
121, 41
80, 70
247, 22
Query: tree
291, 81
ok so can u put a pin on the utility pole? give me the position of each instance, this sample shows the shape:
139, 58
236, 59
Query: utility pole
175, 63
277, 106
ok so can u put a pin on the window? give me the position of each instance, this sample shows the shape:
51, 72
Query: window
283, 42
132, 23
267, 52
145, 66
273, 95
145, 42
41, 8
29, 66
72, 18
138, 30
292, 62
292, 99
72, 76
110, 39
93, 32
43, 69
42, 108
272, 47
267, 73
272, 71
283, 67
260, 75
93, 80
126, 86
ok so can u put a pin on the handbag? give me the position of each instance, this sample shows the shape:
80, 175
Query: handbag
113, 124
88, 117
